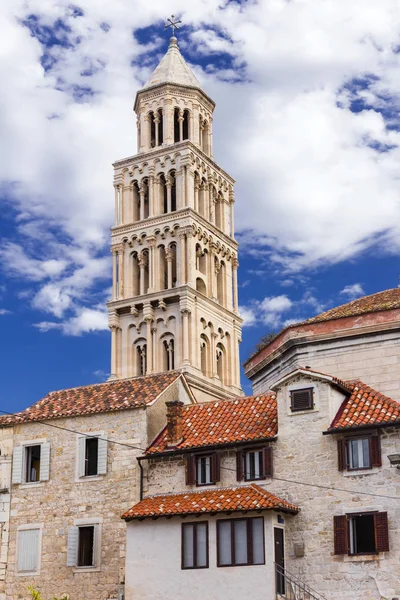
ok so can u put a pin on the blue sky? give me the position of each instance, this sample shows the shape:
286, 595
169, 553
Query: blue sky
306, 121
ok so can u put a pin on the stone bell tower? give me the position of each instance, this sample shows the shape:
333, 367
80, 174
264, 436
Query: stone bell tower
174, 294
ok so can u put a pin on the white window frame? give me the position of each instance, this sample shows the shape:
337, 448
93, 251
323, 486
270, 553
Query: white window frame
97, 522
208, 458
23, 444
259, 453
302, 386
350, 454
88, 434
27, 527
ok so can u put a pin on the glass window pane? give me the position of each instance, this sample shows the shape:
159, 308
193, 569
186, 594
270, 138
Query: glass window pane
258, 540
365, 446
257, 464
201, 531
207, 461
224, 543
353, 454
188, 558
240, 541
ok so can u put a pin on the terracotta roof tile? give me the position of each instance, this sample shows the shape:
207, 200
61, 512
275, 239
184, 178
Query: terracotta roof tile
365, 407
224, 422
236, 499
120, 394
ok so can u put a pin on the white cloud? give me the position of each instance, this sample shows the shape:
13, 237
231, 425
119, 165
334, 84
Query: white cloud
353, 291
313, 186
5, 311
267, 311
86, 320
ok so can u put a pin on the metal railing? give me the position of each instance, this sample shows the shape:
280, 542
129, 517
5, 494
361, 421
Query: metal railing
290, 587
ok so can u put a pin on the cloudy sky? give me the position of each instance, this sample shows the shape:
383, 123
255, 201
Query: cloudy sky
308, 95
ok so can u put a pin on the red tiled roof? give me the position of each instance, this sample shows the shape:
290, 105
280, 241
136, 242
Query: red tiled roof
224, 422
386, 300
365, 407
120, 394
242, 498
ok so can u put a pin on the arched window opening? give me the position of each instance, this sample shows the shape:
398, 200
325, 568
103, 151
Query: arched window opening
219, 211
203, 262
186, 117
160, 127
221, 278
144, 272
173, 191
145, 198
135, 275
152, 126
176, 126
170, 254
141, 359
203, 198
163, 271
201, 286
204, 351
221, 363
163, 194
117, 286
169, 355
135, 201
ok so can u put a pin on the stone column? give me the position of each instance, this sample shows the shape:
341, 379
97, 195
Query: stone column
154, 348
152, 248
189, 187
212, 203
142, 265
151, 194
146, 132
185, 336
190, 259
113, 323
121, 271
156, 122
179, 189
168, 185
148, 314
235, 265
196, 195
169, 256
156, 196
116, 212
141, 196
182, 258
214, 355
114, 253
180, 120
168, 130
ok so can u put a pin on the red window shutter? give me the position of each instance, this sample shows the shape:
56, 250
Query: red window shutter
381, 532
341, 450
215, 468
376, 457
191, 470
239, 465
268, 466
340, 534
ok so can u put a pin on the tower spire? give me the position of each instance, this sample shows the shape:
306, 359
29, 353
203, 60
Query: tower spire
173, 24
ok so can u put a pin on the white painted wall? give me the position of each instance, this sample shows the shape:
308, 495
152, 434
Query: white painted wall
153, 565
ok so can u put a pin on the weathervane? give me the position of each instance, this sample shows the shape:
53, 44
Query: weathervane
172, 23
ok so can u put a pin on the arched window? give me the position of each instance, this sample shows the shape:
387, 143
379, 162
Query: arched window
186, 117
170, 254
169, 354
144, 272
135, 201
221, 363
173, 190
135, 275
201, 286
145, 184
152, 127
140, 359
176, 126
204, 354
160, 127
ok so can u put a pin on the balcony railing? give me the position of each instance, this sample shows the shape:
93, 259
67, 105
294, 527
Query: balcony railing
290, 587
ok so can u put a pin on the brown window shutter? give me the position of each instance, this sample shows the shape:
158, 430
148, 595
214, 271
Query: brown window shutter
376, 457
215, 468
381, 532
341, 452
268, 466
191, 470
340, 534
239, 465
301, 399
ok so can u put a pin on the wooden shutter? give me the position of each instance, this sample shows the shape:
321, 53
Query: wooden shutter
301, 399
81, 456
341, 452
102, 455
381, 532
376, 457
72, 550
44, 462
340, 532
215, 467
239, 465
268, 467
28, 550
17, 464
191, 470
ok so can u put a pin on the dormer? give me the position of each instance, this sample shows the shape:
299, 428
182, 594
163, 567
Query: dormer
172, 107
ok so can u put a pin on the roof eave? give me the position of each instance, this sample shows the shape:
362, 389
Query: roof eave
351, 428
177, 451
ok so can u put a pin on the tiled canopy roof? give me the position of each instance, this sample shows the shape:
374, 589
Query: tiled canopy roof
236, 499
365, 407
121, 394
224, 422
386, 300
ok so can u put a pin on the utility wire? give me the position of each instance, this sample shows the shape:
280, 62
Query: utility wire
314, 485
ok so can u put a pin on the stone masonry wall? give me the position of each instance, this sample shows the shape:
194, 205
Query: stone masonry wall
57, 502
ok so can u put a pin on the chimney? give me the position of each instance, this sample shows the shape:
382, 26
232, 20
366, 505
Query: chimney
174, 422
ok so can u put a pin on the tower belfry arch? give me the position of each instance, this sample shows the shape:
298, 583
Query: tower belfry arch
174, 296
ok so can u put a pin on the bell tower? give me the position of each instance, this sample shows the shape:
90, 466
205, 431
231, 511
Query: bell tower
174, 291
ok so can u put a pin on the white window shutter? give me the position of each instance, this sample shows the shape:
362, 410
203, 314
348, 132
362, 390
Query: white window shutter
17, 464
28, 550
102, 455
81, 456
45, 462
72, 551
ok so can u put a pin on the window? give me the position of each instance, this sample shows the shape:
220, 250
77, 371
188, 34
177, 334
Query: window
84, 545
301, 399
195, 546
361, 452
31, 463
362, 533
240, 542
202, 469
254, 464
92, 455
28, 549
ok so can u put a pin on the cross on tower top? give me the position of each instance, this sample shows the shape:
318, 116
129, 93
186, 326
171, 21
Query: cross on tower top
173, 24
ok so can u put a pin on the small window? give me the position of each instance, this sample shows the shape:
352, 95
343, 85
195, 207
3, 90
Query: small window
254, 465
86, 546
361, 452
358, 453
28, 550
32, 463
203, 470
240, 542
362, 533
195, 546
301, 399
91, 456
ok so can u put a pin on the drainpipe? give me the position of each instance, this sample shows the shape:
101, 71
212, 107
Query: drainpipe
139, 459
